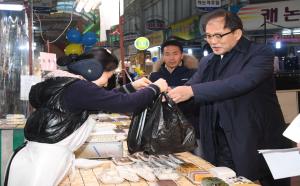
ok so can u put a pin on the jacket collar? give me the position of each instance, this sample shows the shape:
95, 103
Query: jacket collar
168, 69
177, 70
242, 45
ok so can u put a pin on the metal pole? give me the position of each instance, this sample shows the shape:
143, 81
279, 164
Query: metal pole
265, 29
121, 22
28, 10
48, 46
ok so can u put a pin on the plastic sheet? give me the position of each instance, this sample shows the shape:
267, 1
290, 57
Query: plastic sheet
13, 61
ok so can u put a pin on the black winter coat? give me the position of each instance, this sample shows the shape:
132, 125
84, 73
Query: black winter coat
243, 94
51, 121
178, 77
63, 104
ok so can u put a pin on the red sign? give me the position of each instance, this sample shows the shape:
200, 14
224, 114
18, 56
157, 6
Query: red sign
287, 38
155, 24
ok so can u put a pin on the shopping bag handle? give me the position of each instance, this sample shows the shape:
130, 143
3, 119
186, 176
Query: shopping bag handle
168, 99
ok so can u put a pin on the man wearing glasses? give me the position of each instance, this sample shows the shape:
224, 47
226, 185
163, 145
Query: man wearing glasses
239, 110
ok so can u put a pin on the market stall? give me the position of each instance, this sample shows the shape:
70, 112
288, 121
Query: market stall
11, 137
188, 176
88, 177
102, 161
105, 151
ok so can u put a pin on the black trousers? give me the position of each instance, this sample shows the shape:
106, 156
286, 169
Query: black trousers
224, 158
223, 152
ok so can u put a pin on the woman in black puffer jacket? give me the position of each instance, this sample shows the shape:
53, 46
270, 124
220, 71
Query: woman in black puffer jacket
61, 122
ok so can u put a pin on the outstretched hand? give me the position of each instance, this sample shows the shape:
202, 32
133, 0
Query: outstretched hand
162, 84
181, 93
140, 83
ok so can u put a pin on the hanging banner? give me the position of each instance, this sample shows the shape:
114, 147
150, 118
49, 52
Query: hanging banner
278, 14
156, 38
186, 29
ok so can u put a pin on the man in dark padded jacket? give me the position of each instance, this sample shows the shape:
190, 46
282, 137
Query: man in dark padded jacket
61, 121
177, 70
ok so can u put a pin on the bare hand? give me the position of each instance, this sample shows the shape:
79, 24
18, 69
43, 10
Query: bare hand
181, 93
162, 84
169, 89
141, 83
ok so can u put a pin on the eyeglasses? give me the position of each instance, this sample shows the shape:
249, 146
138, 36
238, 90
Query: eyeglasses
216, 36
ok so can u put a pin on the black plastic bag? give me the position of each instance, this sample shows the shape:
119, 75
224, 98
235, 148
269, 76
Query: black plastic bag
135, 133
161, 129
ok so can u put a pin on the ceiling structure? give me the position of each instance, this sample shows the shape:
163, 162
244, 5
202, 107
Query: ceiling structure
51, 17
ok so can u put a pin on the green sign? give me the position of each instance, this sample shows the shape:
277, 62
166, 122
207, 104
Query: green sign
141, 43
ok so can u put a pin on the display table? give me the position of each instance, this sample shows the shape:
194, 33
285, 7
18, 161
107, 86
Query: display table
87, 177
12, 136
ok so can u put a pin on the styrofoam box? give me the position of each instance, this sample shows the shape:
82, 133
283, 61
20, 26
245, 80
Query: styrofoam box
112, 149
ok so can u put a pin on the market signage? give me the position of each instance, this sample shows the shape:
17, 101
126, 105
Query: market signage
155, 24
287, 38
156, 38
130, 36
283, 14
208, 3
43, 3
141, 43
42, 6
186, 29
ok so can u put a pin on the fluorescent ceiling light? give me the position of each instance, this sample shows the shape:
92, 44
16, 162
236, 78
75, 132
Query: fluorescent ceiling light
87, 5
96, 4
286, 32
296, 31
26, 46
12, 7
80, 5
278, 44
